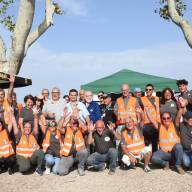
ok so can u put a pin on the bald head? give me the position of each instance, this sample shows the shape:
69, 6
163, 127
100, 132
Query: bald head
125, 90
99, 126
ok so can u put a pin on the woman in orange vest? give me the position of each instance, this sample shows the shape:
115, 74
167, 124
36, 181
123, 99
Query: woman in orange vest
73, 148
28, 153
7, 154
133, 147
52, 145
169, 144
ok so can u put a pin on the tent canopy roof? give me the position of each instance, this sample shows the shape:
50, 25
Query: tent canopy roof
135, 79
19, 81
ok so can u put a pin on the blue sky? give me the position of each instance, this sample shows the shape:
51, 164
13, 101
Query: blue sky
98, 37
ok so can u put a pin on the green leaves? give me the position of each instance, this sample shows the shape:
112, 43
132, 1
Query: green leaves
6, 19
163, 9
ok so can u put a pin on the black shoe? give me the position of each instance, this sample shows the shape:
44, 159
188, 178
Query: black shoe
10, 171
39, 171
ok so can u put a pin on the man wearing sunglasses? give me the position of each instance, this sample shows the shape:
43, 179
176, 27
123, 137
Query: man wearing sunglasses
150, 105
170, 149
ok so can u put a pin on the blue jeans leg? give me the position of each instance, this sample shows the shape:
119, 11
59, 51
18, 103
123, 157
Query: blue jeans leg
177, 153
97, 160
55, 167
112, 157
49, 159
161, 158
187, 158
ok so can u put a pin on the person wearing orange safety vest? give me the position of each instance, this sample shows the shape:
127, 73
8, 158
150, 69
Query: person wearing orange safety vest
7, 153
169, 144
125, 107
52, 145
73, 148
150, 105
133, 146
28, 152
5, 102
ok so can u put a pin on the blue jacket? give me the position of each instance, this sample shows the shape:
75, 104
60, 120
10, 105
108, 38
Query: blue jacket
94, 111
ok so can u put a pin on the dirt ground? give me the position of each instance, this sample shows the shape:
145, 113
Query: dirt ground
123, 181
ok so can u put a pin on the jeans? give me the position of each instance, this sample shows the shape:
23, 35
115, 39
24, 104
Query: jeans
67, 162
52, 162
161, 158
98, 160
187, 158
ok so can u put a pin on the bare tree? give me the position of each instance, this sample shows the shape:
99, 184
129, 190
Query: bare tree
22, 36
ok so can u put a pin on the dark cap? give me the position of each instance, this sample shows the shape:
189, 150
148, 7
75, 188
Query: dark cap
188, 115
107, 95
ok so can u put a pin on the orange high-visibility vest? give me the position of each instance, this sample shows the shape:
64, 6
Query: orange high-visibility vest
134, 143
168, 138
26, 147
46, 141
153, 111
6, 148
7, 115
123, 112
78, 141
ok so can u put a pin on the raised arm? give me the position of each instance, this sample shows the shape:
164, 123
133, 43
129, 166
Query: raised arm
10, 90
91, 128
36, 121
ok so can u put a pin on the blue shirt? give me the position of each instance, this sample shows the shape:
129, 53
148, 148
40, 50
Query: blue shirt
94, 111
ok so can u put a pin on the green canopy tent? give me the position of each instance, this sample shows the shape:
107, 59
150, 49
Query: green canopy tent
113, 82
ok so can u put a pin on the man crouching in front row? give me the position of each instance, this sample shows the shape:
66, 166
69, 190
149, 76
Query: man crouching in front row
133, 146
105, 150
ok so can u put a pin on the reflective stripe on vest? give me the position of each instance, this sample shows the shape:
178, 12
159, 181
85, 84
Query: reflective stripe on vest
78, 141
46, 141
135, 143
168, 138
26, 147
6, 148
153, 111
123, 112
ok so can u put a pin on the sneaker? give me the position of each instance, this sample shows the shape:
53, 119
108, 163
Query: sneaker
166, 167
102, 168
111, 172
39, 172
81, 172
180, 170
147, 169
132, 166
47, 171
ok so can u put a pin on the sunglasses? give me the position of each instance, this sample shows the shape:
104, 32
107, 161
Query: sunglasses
166, 118
52, 124
100, 96
148, 89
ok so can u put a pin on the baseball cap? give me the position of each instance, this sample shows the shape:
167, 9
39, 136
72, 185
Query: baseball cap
137, 89
107, 95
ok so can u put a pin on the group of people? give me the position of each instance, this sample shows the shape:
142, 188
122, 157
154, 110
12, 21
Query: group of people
58, 134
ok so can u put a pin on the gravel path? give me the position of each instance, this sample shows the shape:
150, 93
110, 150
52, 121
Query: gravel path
122, 181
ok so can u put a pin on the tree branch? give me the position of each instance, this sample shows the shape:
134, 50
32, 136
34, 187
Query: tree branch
180, 21
3, 58
20, 34
47, 22
2, 50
